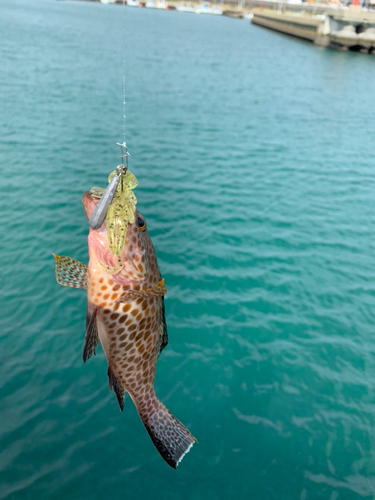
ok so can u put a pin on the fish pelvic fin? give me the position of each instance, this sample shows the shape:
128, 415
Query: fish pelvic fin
115, 383
170, 437
91, 337
158, 290
70, 272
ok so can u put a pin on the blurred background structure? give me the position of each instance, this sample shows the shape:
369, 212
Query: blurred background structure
344, 25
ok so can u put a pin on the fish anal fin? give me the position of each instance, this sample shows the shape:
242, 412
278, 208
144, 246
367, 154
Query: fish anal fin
91, 337
115, 383
158, 290
70, 272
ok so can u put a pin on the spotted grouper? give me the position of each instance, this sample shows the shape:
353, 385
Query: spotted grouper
125, 311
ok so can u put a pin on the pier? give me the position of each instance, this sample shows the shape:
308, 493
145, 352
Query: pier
343, 29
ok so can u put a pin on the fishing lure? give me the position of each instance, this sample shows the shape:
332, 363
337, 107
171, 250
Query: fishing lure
98, 215
120, 211
117, 205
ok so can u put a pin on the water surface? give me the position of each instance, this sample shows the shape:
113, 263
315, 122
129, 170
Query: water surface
255, 159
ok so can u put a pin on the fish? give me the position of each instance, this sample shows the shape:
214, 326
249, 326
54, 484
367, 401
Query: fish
126, 314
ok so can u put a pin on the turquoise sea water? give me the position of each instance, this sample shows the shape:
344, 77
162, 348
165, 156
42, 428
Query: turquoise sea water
255, 158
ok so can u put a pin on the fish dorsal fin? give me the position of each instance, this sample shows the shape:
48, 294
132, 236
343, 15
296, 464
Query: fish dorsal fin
115, 382
156, 291
70, 272
91, 337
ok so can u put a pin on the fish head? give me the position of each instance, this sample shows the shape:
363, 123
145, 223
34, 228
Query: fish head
137, 248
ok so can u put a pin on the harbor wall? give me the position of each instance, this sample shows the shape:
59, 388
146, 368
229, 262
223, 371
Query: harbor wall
349, 29
287, 23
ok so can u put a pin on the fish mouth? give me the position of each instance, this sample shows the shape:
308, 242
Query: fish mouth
89, 203
132, 255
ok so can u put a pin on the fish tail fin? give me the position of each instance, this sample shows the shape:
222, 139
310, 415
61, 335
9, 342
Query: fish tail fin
170, 437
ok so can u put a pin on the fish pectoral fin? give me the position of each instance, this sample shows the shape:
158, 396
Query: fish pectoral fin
115, 382
91, 337
156, 291
70, 272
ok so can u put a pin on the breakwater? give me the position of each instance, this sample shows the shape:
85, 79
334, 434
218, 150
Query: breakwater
349, 29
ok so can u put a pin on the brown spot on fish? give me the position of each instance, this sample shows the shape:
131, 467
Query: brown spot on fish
126, 308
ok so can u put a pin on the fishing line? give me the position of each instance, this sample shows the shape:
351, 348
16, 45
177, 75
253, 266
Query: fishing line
101, 209
124, 67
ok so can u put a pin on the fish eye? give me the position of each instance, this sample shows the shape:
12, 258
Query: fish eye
141, 223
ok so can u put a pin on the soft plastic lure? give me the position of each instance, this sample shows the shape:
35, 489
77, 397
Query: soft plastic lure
119, 210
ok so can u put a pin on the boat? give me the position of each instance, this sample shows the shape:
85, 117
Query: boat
107, 1
132, 3
161, 4
203, 8
216, 10
206, 8
183, 7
